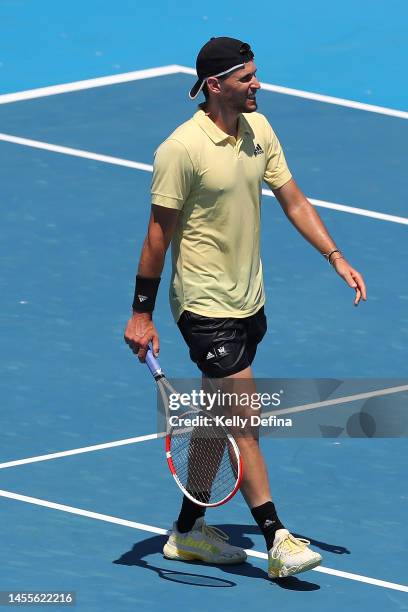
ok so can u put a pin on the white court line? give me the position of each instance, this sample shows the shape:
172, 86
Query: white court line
363, 212
174, 69
152, 529
309, 95
117, 161
113, 79
83, 449
339, 400
107, 159
154, 436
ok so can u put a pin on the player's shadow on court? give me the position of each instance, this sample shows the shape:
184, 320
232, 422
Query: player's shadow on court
239, 535
333, 548
154, 545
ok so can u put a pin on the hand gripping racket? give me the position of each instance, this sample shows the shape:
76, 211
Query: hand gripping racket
204, 458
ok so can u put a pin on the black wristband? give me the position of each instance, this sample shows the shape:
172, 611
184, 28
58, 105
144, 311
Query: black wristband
145, 294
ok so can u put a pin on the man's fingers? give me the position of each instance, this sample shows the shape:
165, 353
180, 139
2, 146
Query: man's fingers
138, 337
348, 277
353, 279
132, 343
360, 287
142, 355
143, 346
135, 346
156, 345
350, 280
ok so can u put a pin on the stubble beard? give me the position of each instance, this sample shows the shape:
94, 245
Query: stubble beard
247, 108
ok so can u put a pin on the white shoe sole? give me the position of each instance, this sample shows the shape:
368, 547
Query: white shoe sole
284, 572
177, 554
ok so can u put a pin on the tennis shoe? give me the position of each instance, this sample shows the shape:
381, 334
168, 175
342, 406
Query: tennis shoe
203, 543
290, 555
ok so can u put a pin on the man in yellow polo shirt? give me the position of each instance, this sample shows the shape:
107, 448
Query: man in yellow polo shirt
214, 180
206, 194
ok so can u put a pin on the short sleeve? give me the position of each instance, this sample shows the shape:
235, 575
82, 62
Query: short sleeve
277, 172
172, 175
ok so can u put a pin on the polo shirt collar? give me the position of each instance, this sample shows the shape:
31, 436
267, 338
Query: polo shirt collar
214, 132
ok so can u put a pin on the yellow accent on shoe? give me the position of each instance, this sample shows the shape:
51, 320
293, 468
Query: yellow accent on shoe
187, 556
204, 543
189, 541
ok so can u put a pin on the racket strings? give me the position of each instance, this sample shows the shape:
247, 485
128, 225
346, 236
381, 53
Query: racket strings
205, 462
205, 459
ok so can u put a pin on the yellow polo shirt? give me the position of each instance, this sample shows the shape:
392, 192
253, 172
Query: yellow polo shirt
215, 181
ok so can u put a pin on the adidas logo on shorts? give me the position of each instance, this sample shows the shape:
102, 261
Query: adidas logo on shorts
220, 351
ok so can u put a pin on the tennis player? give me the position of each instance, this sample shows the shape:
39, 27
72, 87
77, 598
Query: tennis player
206, 197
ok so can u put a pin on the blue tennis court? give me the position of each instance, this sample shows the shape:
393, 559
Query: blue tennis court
78, 418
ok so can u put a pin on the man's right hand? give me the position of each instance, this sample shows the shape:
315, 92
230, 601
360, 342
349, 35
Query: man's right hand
139, 332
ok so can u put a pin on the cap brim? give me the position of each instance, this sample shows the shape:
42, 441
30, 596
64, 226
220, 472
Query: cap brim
195, 90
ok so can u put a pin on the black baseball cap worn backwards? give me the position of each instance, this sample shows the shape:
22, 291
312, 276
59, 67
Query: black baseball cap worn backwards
218, 57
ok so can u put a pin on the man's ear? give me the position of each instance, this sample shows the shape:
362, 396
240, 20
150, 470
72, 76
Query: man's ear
213, 85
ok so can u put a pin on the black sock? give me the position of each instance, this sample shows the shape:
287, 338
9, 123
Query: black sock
268, 521
189, 513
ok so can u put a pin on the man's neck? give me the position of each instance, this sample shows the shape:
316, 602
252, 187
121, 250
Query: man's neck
223, 118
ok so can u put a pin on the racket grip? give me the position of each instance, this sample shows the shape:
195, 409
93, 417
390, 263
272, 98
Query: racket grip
153, 364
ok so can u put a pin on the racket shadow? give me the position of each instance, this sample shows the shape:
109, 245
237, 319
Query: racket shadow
239, 535
153, 545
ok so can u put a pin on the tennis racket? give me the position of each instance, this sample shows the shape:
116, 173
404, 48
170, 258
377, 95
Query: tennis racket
204, 458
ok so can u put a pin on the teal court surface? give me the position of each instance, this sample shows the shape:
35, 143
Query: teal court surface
85, 495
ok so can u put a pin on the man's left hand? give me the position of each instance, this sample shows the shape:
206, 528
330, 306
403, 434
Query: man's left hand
352, 278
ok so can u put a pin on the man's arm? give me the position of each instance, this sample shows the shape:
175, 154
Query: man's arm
140, 329
307, 221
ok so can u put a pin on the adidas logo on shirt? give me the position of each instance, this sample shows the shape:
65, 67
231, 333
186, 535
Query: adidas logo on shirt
258, 150
142, 298
210, 355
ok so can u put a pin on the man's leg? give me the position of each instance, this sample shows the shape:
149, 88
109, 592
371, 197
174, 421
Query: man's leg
255, 483
287, 555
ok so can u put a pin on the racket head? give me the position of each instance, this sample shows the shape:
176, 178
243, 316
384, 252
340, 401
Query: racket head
204, 460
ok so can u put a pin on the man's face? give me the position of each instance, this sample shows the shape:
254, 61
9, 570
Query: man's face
238, 90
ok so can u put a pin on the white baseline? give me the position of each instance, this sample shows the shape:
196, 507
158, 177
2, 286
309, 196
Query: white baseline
152, 529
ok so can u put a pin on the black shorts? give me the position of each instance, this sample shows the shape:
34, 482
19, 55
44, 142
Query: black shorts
222, 346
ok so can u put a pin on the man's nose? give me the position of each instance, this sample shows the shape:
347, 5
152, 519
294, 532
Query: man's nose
255, 84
